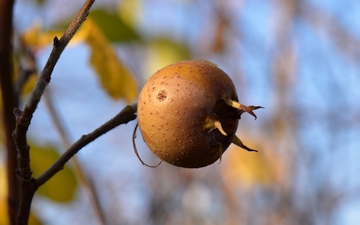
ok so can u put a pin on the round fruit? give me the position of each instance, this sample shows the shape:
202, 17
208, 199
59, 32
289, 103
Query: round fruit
188, 113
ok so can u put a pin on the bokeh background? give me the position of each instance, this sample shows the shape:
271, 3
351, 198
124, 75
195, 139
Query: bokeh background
300, 59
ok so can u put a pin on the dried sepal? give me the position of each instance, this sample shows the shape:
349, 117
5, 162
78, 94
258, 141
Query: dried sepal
217, 125
241, 107
235, 140
213, 123
255, 107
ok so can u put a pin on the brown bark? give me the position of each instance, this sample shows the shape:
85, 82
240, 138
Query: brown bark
9, 101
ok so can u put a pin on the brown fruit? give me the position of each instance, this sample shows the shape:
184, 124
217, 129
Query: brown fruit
188, 113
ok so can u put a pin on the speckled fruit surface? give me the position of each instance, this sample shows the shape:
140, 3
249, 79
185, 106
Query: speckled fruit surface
174, 107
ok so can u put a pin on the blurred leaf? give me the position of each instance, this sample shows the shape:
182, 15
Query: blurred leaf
163, 52
39, 2
2, 134
110, 24
129, 11
36, 37
249, 168
62, 186
3, 196
114, 29
33, 220
116, 79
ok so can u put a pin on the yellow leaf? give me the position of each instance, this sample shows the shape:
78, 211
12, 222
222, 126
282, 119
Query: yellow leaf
116, 79
33, 220
62, 186
162, 52
247, 169
3, 196
2, 129
36, 37
129, 11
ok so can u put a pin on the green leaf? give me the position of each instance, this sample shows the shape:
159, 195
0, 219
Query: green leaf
116, 79
62, 186
113, 27
110, 24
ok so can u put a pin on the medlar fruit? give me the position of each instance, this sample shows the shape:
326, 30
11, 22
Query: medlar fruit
188, 113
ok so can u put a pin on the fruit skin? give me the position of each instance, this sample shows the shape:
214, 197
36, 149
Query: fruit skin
175, 108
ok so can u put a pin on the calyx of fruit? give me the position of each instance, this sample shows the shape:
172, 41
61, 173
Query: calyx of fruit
188, 114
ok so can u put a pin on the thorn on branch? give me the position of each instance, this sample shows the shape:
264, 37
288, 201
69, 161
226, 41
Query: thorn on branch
56, 41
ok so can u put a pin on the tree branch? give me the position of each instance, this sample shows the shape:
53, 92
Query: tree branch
9, 102
28, 185
126, 115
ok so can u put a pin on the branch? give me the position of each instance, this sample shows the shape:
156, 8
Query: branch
23, 119
83, 178
9, 102
126, 115
58, 48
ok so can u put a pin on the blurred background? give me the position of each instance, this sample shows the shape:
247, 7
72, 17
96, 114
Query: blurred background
299, 59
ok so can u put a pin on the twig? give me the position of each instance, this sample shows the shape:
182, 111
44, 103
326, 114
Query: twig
23, 119
126, 115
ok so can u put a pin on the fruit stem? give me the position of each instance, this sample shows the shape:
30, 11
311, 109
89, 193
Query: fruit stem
136, 151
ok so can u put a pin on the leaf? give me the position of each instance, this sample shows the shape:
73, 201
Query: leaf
116, 79
39, 2
113, 28
62, 186
3, 196
2, 128
163, 51
34, 220
129, 11
247, 169
36, 37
